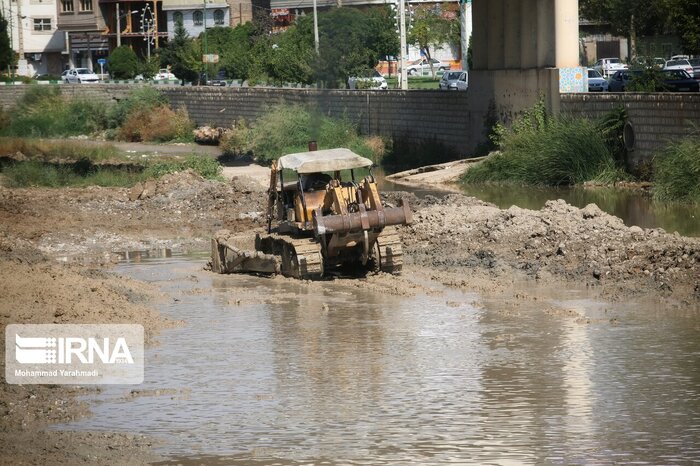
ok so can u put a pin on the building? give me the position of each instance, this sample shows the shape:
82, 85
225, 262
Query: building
35, 36
137, 24
195, 15
83, 25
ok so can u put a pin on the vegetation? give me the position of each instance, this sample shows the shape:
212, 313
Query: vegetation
43, 150
123, 63
288, 129
432, 28
183, 55
206, 167
42, 112
541, 150
7, 55
677, 171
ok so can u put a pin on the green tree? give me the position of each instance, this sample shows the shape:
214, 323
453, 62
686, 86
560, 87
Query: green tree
123, 63
7, 55
432, 28
685, 16
629, 18
183, 55
233, 45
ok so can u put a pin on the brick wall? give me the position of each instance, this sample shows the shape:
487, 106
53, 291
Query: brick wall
656, 118
105, 93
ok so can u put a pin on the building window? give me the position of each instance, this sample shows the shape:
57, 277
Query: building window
42, 24
177, 17
85, 5
219, 17
198, 18
67, 6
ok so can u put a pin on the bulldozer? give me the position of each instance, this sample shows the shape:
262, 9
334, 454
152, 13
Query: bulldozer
322, 216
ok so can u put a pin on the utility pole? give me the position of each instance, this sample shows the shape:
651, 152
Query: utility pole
465, 17
315, 29
402, 52
119, 27
206, 47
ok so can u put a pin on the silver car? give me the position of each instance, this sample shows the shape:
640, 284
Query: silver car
596, 82
454, 81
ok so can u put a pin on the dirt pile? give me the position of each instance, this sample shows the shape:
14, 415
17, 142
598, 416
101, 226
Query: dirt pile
34, 289
560, 241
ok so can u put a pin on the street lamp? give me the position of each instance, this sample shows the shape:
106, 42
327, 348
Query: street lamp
147, 22
119, 23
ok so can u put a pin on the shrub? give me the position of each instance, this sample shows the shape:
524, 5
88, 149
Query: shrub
159, 124
142, 98
541, 150
42, 112
61, 150
123, 63
82, 173
206, 167
289, 128
677, 171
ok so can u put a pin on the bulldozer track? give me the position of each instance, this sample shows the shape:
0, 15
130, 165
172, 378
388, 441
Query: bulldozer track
390, 251
301, 257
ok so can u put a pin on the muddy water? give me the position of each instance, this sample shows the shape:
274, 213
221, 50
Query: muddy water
633, 207
274, 370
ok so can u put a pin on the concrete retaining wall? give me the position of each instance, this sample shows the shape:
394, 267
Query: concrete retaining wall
656, 118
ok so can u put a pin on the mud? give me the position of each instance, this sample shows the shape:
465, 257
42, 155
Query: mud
455, 241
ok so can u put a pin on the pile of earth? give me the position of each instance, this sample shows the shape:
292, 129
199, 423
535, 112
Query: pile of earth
559, 241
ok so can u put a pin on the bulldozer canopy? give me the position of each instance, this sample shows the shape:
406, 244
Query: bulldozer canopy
327, 160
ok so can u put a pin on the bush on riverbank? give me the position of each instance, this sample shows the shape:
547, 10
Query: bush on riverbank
42, 112
677, 171
286, 129
541, 150
68, 150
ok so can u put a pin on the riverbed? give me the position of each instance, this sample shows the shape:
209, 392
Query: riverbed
272, 370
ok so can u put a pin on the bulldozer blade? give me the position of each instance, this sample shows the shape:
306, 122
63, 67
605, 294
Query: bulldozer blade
227, 258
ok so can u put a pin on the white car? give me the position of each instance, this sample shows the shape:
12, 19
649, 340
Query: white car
608, 66
164, 74
596, 82
81, 75
64, 76
422, 66
373, 80
681, 64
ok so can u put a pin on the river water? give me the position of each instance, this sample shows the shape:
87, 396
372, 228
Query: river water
279, 371
632, 206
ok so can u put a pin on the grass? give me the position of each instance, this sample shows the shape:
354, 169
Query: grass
677, 172
286, 129
415, 83
84, 172
59, 150
541, 150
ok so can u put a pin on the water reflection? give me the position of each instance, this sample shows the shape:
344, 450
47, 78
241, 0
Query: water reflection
274, 370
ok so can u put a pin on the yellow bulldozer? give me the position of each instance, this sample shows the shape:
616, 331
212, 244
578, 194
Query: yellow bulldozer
322, 215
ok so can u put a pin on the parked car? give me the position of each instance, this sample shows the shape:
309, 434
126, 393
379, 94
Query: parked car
453, 81
371, 80
64, 76
596, 81
608, 66
163, 75
679, 81
81, 75
673, 81
680, 57
680, 64
695, 63
219, 79
422, 66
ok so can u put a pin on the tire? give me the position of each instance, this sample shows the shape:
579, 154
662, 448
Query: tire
411, 72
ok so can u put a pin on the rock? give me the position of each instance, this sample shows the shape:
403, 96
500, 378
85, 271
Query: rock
135, 192
596, 274
591, 211
149, 189
208, 135
635, 230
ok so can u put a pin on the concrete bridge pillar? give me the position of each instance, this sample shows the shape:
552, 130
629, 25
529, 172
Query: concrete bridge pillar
519, 48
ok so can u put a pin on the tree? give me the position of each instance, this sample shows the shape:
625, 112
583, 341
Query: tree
7, 55
630, 18
685, 16
123, 63
432, 28
183, 55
